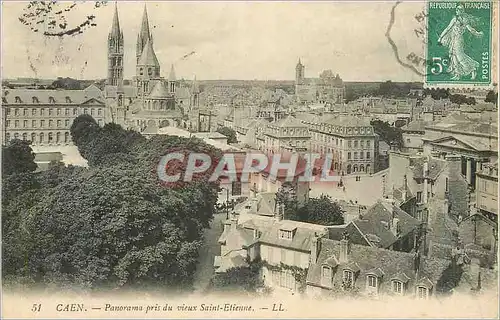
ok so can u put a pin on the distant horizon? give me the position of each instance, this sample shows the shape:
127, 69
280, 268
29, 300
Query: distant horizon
222, 40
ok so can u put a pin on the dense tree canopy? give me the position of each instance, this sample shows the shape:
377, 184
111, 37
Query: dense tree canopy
391, 135
322, 211
111, 225
492, 97
229, 133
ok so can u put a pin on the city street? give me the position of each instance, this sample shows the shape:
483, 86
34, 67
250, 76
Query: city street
208, 251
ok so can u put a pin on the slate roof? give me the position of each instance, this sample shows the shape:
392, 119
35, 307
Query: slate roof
230, 260
435, 167
288, 122
377, 220
301, 240
148, 56
159, 91
370, 260
415, 125
44, 96
129, 91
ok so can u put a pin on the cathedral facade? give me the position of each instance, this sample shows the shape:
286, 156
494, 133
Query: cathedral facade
149, 100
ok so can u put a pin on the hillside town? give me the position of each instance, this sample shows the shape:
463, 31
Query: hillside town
414, 211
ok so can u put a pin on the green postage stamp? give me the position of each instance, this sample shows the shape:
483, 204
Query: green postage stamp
459, 43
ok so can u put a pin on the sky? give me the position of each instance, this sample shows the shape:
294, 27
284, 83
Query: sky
231, 40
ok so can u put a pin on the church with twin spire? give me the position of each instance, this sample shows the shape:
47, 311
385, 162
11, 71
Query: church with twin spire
149, 100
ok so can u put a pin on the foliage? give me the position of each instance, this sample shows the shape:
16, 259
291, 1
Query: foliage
390, 89
437, 93
321, 211
229, 133
450, 278
239, 278
461, 99
391, 135
492, 97
110, 225
299, 274
17, 157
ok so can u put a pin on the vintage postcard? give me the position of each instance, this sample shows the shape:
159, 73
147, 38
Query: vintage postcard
249, 159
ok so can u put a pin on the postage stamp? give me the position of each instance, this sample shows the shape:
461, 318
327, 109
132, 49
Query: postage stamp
459, 43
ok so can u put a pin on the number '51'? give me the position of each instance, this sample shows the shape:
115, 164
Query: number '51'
36, 307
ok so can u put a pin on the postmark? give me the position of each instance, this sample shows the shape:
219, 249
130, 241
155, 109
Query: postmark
459, 43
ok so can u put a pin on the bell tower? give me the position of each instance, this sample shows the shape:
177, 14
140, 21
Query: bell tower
115, 52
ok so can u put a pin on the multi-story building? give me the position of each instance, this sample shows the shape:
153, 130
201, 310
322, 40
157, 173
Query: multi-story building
45, 116
329, 89
487, 190
285, 135
351, 140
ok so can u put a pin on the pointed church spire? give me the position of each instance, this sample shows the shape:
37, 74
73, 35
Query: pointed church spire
196, 88
144, 35
115, 27
171, 76
148, 56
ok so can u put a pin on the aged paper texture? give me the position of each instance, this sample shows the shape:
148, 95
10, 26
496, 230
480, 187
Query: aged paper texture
223, 159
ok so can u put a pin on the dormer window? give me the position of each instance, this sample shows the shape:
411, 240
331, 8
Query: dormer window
4, 100
326, 275
398, 287
422, 292
68, 99
35, 100
52, 100
18, 99
286, 234
347, 278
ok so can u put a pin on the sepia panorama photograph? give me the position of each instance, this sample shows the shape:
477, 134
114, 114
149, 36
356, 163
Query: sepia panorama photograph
249, 159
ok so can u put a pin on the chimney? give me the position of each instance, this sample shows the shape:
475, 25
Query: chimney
345, 248
446, 206
416, 264
426, 181
405, 188
395, 226
315, 248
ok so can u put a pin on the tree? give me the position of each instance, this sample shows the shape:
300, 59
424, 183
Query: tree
492, 97
461, 99
229, 133
391, 135
322, 211
18, 157
239, 278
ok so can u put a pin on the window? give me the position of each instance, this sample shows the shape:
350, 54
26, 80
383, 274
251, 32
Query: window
52, 100
33, 112
51, 123
33, 123
75, 111
16, 124
362, 144
66, 112
58, 112
66, 137
25, 136
25, 112
408, 140
33, 137
7, 136
41, 137
141, 71
349, 143
283, 256
16, 136
35, 100
66, 123
348, 156
68, 100
361, 155
85, 111
42, 123
18, 99
446, 185
25, 123
368, 154
7, 123
419, 196
50, 112
371, 281
7, 110
355, 155
51, 136
284, 279
41, 111
286, 234
16, 112
236, 188
99, 122
422, 292
347, 278
326, 272
99, 112
355, 143
91, 111
58, 137
59, 123
368, 144
397, 287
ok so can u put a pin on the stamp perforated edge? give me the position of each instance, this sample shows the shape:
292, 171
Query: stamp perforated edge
494, 57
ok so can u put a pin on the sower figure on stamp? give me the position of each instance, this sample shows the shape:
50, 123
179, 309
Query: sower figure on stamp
452, 37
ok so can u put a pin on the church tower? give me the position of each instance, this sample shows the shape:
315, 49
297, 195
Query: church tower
115, 52
144, 35
299, 73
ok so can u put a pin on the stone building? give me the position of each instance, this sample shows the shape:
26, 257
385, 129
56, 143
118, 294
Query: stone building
351, 140
487, 190
45, 116
329, 89
287, 134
